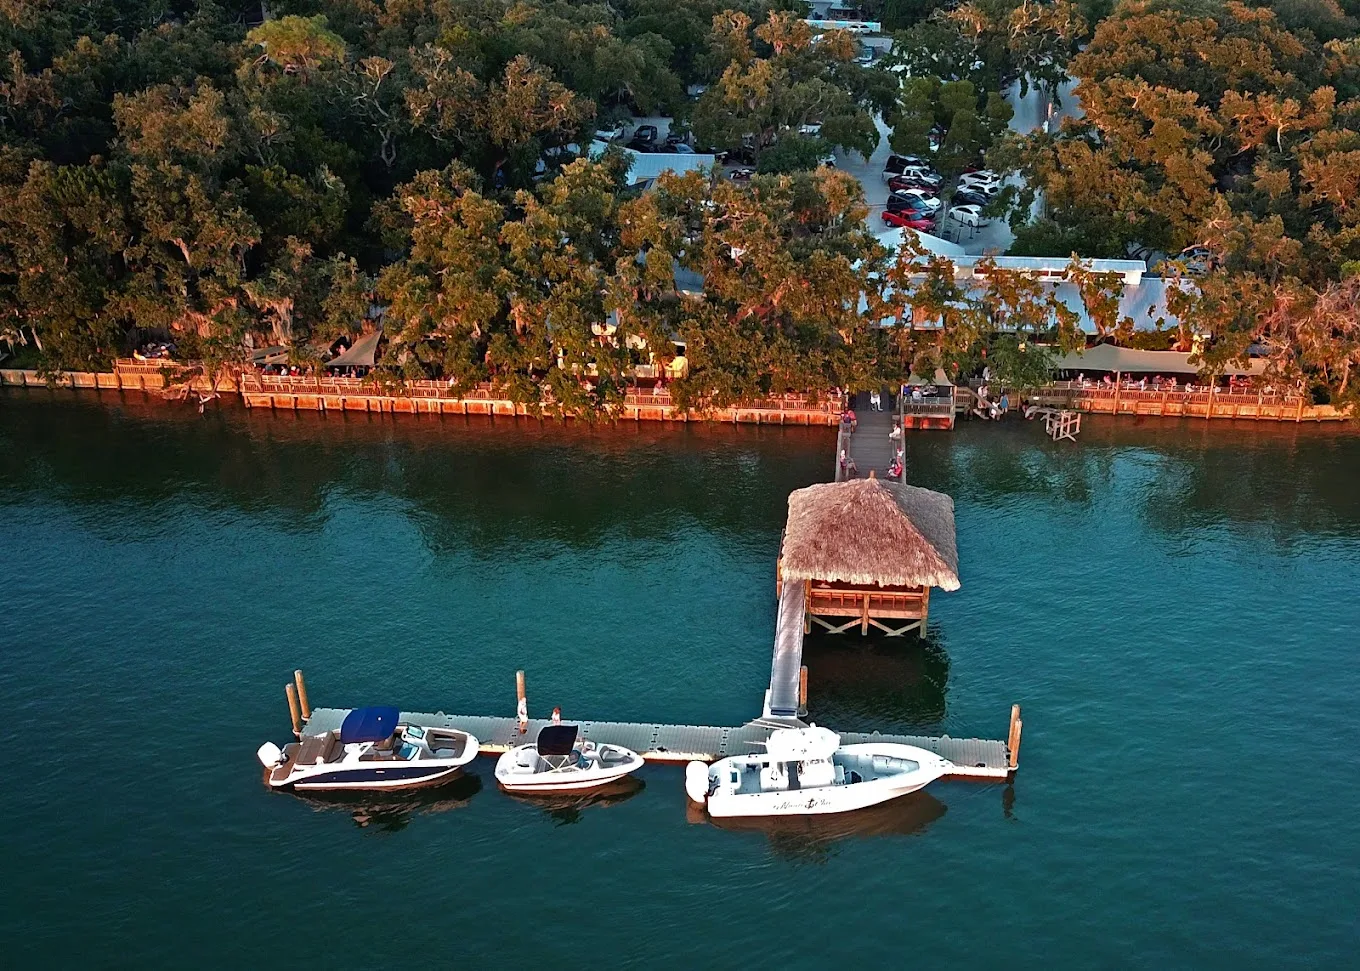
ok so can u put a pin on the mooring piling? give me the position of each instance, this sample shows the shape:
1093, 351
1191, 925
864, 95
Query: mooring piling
302, 694
291, 691
1013, 739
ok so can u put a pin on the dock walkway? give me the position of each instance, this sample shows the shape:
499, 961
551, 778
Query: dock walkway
974, 758
868, 445
786, 667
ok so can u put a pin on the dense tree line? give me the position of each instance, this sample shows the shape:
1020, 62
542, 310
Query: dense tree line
1231, 129
242, 175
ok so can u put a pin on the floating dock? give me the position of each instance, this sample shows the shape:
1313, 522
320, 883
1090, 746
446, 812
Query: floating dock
974, 758
987, 760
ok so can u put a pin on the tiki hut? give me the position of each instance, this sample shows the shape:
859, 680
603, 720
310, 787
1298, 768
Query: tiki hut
870, 550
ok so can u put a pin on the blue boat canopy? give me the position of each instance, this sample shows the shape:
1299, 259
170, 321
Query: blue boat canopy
369, 724
556, 739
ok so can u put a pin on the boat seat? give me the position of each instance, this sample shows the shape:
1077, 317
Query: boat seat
527, 759
840, 774
445, 753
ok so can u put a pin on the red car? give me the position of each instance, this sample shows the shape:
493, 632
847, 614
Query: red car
909, 220
907, 182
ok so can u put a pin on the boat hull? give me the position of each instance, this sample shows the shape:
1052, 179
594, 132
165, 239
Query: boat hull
554, 787
810, 802
840, 798
378, 780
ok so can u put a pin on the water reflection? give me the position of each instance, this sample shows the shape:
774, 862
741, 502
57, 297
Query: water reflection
470, 483
566, 809
392, 812
812, 839
876, 681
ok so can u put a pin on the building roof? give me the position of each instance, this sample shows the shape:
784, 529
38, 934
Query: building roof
1129, 360
868, 531
892, 239
646, 167
362, 354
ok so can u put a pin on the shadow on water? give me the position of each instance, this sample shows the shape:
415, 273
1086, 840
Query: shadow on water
568, 808
392, 812
811, 839
877, 682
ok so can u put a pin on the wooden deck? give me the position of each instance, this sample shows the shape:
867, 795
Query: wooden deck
975, 758
1241, 403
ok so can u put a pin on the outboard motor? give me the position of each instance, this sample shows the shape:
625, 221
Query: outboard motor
269, 755
696, 782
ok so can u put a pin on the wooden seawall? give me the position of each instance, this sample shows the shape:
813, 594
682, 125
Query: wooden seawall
289, 393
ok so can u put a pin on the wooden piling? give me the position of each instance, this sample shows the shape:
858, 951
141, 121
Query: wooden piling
1013, 739
291, 691
302, 694
802, 687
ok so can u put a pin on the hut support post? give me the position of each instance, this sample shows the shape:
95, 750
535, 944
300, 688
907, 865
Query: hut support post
802, 690
864, 617
925, 609
293, 708
302, 694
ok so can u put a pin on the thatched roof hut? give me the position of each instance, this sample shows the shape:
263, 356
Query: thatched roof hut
868, 531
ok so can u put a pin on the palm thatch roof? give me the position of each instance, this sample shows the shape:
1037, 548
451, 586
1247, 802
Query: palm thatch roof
868, 531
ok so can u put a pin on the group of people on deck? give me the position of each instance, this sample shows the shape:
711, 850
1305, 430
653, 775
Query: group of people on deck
850, 470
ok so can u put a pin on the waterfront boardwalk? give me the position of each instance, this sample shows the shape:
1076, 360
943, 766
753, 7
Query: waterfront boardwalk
868, 445
974, 758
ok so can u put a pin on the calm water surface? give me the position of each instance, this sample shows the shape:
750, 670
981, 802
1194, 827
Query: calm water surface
1175, 605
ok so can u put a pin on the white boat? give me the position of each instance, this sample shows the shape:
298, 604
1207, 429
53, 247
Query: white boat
372, 750
557, 762
807, 770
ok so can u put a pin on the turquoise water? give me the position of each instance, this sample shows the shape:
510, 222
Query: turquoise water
1174, 604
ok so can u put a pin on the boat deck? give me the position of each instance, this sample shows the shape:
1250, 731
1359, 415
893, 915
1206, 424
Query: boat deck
974, 758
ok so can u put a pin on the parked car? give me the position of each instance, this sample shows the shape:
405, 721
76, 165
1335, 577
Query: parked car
981, 179
1196, 260
909, 203
916, 197
908, 220
969, 197
968, 216
612, 133
903, 182
897, 164
811, 131
923, 175
741, 175
988, 189
645, 133
829, 160
865, 55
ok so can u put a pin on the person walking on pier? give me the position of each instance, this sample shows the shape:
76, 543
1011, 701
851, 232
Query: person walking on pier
875, 401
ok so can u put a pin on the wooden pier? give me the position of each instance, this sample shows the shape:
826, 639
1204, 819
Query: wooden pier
974, 758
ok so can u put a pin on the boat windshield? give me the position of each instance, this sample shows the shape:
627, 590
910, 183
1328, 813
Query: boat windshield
415, 732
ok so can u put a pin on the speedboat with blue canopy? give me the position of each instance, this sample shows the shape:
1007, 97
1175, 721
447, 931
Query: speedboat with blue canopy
374, 750
560, 761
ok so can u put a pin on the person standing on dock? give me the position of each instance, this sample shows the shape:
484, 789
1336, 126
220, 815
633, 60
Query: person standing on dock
522, 713
557, 716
